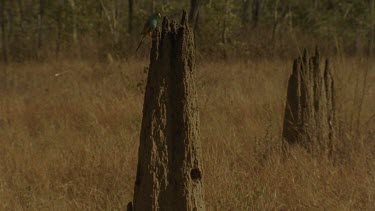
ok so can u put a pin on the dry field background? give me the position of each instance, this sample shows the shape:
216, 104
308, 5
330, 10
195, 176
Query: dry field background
70, 142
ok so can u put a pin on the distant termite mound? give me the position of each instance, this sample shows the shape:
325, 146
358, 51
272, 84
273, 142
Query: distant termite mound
310, 106
169, 174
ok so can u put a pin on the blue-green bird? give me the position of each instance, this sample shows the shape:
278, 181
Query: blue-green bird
149, 27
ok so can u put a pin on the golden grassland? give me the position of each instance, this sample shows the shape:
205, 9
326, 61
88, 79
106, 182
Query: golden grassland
70, 141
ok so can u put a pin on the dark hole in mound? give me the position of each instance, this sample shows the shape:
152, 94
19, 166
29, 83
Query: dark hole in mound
129, 207
195, 174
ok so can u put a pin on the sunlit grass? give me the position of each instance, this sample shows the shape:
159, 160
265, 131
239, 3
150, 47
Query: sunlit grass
70, 142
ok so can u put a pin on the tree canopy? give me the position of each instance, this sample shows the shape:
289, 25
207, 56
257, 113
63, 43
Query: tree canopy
34, 29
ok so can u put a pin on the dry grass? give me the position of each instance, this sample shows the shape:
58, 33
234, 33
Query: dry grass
70, 142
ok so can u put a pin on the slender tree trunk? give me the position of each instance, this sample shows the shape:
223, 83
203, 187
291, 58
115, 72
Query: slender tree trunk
74, 20
245, 12
115, 23
19, 2
278, 19
371, 31
3, 32
131, 16
224, 35
275, 22
118, 7
316, 4
193, 19
11, 23
255, 13
152, 6
121, 12
225, 25
21, 16
59, 17
193, 14
164, 4
112, 22
40, 23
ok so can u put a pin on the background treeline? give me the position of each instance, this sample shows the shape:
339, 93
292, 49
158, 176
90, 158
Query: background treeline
39, 29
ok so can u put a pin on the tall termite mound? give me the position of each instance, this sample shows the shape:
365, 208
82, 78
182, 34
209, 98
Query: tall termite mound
310, 108
169, 174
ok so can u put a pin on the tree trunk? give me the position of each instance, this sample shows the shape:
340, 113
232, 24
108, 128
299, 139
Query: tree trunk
152, 7
224, 31
59, 17
279, 18
11, 21
3, 32
169, 173
275, 22
74, 22
131, 16
255, 13
371, 30
19, 2
245, 12
40, 23
21, 16
193, 14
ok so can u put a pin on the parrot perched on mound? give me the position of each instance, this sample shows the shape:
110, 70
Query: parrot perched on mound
149, 27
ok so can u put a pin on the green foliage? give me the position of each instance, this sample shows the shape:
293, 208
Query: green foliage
223, 28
